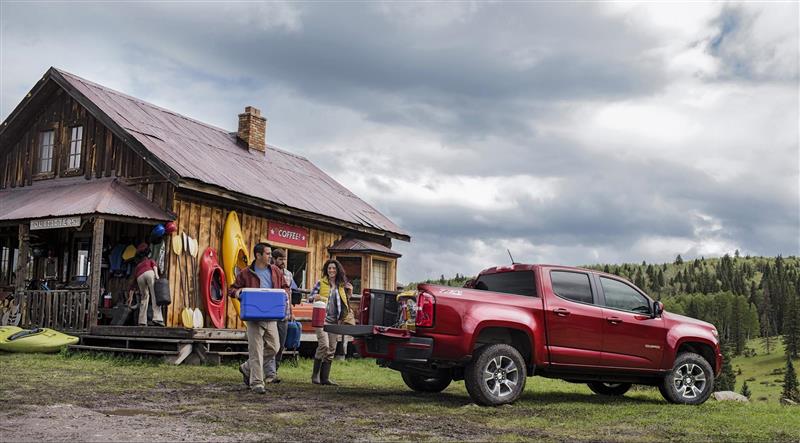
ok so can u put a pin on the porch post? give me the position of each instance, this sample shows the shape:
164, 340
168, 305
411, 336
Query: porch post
97, 262
21, 270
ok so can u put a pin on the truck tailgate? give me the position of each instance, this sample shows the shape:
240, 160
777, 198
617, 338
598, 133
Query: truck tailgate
383, 342
367, 330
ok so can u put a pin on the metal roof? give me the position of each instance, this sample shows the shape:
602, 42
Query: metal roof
359, 245
211, 155
76, 196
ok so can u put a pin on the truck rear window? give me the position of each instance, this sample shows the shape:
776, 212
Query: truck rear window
516, 282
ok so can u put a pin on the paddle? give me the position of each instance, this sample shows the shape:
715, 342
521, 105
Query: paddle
187, 312
197, 319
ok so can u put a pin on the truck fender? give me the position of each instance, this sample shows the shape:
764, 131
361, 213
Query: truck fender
510, 325
682, 334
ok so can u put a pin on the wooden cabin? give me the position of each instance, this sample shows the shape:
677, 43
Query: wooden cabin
85, 170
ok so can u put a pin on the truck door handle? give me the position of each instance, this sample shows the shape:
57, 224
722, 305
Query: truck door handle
561, 312
614, 320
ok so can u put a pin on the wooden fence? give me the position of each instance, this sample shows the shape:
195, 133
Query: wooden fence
62, 310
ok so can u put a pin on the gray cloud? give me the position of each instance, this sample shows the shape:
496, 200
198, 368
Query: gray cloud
395, 94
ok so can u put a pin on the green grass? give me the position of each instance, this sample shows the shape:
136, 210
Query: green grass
763, 372
373, 403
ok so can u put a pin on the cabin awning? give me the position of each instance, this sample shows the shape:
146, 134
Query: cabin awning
362, 247
77, 196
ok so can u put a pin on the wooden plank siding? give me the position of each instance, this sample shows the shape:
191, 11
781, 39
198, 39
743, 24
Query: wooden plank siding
102, 153
205, 221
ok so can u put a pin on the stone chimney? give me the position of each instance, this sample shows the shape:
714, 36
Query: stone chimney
253, 129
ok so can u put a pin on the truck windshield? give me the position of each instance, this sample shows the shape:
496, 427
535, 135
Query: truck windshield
516, 282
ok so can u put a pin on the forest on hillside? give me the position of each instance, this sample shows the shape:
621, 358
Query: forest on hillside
744, 297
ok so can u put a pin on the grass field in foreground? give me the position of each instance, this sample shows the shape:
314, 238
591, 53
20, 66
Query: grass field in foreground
373, 403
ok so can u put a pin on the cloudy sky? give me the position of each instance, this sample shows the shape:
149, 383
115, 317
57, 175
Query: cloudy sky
568, 133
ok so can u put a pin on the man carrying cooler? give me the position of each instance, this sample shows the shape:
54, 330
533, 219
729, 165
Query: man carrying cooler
262, 336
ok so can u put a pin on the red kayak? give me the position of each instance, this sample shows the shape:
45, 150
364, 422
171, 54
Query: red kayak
212, 287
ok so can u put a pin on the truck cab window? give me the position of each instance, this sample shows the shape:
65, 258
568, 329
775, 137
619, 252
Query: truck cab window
621, 296
516, 282
573, 286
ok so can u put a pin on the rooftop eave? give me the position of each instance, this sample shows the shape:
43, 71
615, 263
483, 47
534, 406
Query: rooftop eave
218, 191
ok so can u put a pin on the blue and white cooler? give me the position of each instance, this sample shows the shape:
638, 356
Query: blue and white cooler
263, 304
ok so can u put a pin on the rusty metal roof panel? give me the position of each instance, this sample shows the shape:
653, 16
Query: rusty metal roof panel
76, 196
195, 150
359, 245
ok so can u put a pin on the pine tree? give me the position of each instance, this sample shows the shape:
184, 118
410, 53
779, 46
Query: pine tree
678, 260
727, 378
791, 328
790, 385
745, 389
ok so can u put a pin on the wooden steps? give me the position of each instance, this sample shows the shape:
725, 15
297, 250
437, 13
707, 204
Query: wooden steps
175, 345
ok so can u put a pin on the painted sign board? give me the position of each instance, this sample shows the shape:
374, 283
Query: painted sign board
290, 235
56, 223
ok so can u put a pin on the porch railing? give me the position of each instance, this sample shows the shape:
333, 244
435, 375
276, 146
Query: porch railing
63, 310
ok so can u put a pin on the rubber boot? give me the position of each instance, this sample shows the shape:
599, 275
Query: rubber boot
315, 375
325, 373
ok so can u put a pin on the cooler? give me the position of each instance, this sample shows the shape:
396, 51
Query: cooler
293, 332
263, 304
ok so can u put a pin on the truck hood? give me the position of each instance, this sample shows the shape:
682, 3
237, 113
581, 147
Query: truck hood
673, 318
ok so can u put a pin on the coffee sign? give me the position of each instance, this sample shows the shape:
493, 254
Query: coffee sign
290, 235
56, 223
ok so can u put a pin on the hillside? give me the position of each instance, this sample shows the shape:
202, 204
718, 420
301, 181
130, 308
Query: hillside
763, 371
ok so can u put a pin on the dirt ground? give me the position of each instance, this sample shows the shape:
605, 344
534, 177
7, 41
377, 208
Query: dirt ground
79, 397
226, 412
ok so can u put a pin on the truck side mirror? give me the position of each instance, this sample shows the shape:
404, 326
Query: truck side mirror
658, 309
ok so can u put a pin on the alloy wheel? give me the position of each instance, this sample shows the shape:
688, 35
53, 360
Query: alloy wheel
501, 376
689, 380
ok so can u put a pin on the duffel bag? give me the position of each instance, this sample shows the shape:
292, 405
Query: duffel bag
162, 292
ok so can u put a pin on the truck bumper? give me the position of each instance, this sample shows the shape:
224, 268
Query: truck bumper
381, 342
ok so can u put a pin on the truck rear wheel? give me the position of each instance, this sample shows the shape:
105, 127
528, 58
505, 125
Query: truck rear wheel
496, 375
421, 383
614, 389
690, 382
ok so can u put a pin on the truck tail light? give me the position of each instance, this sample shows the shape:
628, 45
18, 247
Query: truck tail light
363, 307
425, 304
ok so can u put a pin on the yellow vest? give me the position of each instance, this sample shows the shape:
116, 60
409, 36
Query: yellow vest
325, 292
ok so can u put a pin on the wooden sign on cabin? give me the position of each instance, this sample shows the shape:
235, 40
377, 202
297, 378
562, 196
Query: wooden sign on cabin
290, 235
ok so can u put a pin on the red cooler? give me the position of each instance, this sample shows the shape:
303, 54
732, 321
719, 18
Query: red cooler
318, 314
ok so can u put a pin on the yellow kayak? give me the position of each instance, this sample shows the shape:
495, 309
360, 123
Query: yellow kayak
14, 339
234, 251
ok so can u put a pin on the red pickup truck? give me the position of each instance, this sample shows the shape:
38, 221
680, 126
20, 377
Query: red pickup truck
513, 322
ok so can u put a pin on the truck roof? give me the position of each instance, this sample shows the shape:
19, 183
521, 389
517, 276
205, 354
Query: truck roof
529, 267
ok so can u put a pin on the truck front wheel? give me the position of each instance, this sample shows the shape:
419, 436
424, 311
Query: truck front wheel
421, 383
496, 375
614, 389
690, 382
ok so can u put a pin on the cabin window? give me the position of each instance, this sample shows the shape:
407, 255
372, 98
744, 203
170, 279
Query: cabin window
75, 142
5, 269
46, 142
380, 274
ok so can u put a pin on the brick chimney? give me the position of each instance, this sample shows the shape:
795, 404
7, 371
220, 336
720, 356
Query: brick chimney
253, 129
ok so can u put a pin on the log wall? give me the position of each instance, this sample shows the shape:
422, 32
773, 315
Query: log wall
205, 222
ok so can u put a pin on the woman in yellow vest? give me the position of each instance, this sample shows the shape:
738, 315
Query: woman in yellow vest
334, 290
